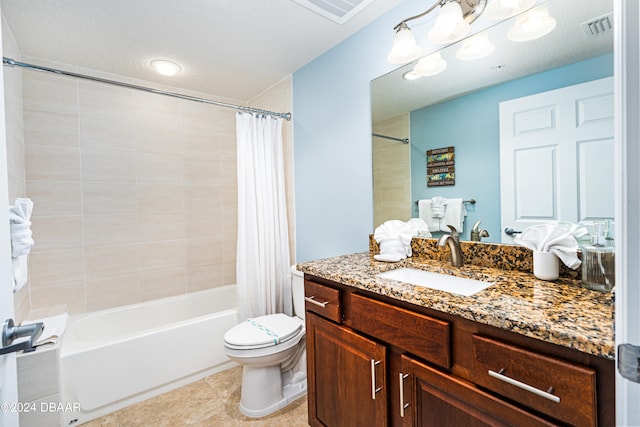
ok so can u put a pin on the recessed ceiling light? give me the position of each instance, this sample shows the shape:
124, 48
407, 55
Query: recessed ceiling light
166, 68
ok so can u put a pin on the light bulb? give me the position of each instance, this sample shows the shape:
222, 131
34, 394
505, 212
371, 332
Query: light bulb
450, 26
405, 49
475, 47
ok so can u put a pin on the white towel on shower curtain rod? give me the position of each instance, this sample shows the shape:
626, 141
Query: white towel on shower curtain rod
262, 263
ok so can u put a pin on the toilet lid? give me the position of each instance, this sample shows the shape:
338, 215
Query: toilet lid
263, 331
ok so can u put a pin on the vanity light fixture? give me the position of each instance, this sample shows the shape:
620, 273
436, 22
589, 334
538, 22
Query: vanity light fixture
165, 68
532, 25
452, 24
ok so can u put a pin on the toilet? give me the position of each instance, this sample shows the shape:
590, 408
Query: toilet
272, 351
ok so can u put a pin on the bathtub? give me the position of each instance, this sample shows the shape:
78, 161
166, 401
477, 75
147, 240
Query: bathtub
116, 357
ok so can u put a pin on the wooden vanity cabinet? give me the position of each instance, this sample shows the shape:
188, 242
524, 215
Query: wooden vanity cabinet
381, 362
346, 378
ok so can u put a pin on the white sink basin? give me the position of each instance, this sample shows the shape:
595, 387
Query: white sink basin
441, 282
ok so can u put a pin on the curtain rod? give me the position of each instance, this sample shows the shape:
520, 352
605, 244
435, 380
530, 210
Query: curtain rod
403, 140
13, 63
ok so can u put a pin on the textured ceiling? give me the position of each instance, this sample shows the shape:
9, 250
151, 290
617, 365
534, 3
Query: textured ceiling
230, 48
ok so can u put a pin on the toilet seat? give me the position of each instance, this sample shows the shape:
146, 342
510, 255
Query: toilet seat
262, 332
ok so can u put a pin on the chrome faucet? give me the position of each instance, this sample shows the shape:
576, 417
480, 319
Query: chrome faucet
453, 241
478, 233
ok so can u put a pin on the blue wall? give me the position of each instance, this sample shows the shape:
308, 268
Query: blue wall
332, 140
471, 124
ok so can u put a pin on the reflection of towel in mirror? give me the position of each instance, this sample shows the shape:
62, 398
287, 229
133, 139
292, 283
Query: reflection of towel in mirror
454, 214
21, 240
438, 206
419, 227
424, 212
394, 238
551, 238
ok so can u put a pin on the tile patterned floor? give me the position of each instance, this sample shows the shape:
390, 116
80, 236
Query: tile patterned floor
210, 402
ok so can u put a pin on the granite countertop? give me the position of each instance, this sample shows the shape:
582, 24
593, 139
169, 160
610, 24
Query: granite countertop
559, 312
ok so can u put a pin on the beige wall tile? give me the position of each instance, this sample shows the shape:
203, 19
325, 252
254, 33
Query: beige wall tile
205, 277
158, 168
101, 132
203, 251
162, 255
52, 163
108, 261
49, 92
112, 292
52, 198
155, 227
161, 198
110, 229
109, 197
53, 233
51, 128
71, 295
53, 268
162, 283
107, 164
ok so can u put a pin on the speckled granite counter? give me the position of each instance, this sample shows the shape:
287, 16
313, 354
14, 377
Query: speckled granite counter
558, 312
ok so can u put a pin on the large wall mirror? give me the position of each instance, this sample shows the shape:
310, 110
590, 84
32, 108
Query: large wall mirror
460, 107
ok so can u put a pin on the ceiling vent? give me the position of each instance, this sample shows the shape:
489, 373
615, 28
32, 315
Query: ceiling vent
597, 26
339, 11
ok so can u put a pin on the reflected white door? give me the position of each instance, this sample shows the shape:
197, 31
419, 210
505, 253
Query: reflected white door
557, 156
8, 376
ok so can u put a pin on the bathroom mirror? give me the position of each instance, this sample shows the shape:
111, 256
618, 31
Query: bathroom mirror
459, 99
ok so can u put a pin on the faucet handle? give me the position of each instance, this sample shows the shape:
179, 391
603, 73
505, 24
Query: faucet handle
454, 233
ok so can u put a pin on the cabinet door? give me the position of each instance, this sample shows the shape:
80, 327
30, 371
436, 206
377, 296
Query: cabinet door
438, 399
346, 376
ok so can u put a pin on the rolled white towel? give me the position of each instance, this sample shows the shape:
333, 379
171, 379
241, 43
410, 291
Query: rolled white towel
438, 206
21, 239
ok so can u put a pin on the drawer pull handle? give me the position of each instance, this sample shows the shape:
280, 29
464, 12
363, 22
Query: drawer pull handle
403, 405
312, 300
374, 390
524, 386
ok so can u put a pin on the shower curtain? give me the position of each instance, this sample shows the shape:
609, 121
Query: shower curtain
262, 262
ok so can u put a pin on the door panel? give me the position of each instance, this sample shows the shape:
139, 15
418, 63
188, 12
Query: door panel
557, 156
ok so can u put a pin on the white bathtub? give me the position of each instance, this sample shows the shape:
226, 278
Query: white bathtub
116, 357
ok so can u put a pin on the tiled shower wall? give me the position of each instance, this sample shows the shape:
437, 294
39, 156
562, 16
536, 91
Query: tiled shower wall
134, 193
391, 171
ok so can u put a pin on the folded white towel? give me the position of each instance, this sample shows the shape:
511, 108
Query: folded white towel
394, 237
424, 213
551, 238
21, 239
438, 206
454, 214
54, 327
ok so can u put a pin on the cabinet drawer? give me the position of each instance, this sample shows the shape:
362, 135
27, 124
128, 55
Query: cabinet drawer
322, 300
421, 335
563, 390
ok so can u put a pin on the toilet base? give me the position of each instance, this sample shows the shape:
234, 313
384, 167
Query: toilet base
256, 401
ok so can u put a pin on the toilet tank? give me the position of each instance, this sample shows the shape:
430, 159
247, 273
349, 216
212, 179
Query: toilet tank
297, 291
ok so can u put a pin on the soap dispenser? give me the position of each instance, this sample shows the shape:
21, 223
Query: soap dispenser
598, 262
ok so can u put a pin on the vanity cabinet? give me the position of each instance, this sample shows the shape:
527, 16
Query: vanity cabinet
376, 361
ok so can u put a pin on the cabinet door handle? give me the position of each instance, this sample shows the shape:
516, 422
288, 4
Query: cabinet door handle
524, 386
312, 300
403, 405
374, 390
